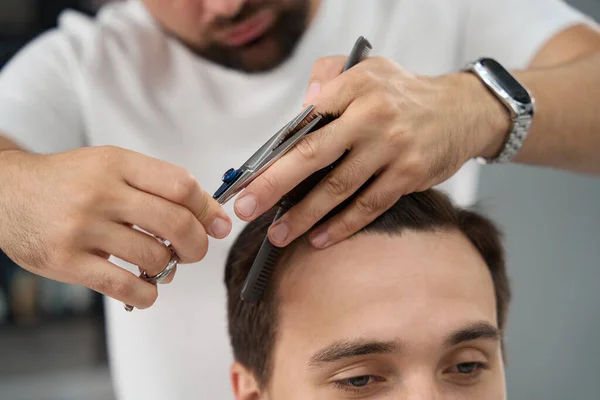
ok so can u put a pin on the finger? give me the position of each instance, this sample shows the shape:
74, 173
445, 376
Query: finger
177, 185
167, 220
373, 201
110, 280
337, 186
324, 70
133, 246
312, 153
343, 90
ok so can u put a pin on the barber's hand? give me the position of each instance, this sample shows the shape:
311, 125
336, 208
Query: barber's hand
64, 214
410, 132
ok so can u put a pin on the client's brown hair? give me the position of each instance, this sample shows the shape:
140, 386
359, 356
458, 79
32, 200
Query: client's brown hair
253, 326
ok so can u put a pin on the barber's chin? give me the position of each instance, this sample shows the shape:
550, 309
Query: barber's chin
261, 55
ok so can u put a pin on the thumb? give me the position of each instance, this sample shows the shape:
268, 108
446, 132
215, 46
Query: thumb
324, 71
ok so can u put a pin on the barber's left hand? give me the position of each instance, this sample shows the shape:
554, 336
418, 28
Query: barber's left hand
411, 132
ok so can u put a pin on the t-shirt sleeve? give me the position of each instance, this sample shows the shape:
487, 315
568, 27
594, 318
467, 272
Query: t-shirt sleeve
39, 108
513, 31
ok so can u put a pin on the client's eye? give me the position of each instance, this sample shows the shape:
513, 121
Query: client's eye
358, 383
467, 371
468, 368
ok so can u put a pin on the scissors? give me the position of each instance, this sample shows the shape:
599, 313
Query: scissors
234, 180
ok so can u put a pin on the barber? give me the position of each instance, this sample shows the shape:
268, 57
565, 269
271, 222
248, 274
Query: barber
110, 124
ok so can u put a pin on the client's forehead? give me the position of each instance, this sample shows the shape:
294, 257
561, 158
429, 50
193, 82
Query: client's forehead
376, 285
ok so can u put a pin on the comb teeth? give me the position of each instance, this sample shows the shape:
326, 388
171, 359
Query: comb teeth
364, 54
264, 264
260, 274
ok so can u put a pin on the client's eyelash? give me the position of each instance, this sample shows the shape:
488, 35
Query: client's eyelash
344, 384
479, 367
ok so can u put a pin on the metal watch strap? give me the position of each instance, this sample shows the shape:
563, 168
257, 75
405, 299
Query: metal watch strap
521, 114
515, 140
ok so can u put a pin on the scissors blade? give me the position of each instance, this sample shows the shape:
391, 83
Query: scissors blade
262, 158
293, 125
248, 176
287, 145
259, 158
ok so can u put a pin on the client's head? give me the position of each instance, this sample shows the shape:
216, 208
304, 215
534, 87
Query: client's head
412, 306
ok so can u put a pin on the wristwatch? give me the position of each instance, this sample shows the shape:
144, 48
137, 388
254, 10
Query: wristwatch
516, 98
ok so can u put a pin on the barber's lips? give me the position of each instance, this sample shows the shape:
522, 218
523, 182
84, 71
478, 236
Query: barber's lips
249, 30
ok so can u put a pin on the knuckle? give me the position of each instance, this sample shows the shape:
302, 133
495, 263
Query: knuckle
340, 183
83, 197
122, 288
347, 226
70, 230
396, 139
268, 183
381, 107
106, 156
412, 166
415, 165
153, 258
184, 186
203, 208
303, 216
337, 185
324, 64
107, 284
61, 256
385, 62
359, 82
373, 204
307, 147
182, 224
367, 205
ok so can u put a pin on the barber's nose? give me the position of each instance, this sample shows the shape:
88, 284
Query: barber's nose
224, 8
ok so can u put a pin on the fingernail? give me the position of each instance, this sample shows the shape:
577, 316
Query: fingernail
220, 227
279, 233
320, 240
313, 91
246, 205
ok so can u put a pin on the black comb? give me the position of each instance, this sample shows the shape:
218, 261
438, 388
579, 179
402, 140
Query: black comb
266, 259
262, 267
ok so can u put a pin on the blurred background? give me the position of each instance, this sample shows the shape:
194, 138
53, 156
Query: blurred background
52, 343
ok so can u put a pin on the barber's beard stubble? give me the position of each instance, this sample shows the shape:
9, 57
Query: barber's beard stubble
285, 33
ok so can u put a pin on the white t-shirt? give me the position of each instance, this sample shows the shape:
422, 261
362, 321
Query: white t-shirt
119, 80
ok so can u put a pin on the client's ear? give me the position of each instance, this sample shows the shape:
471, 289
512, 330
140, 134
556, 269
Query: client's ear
244, 384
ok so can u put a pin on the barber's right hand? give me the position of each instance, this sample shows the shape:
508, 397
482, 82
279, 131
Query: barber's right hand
63, 215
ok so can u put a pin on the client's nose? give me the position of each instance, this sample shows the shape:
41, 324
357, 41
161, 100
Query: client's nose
421, 386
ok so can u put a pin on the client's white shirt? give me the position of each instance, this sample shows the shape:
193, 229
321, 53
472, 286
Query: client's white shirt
118, 80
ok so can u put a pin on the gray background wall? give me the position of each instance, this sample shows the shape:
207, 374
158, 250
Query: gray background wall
552, 225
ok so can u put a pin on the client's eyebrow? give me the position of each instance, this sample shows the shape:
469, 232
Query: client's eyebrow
474, 331
353, 348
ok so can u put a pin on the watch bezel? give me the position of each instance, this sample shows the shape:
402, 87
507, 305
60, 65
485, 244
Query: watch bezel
489, 71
